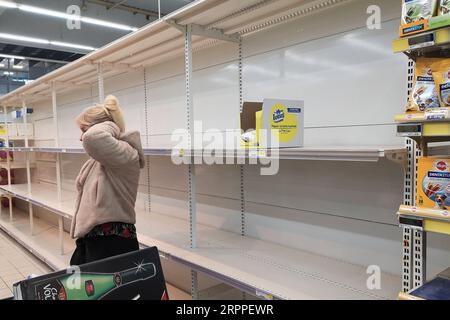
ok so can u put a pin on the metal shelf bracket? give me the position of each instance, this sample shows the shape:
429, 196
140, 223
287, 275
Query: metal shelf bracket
211, 33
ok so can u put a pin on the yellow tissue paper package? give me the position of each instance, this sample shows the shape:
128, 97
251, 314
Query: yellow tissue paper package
433, 183
424, 94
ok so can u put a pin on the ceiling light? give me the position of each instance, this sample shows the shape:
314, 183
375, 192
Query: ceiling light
8, 56
16, 66
7, 73
42, 41
2, 65
107, 24
46, 12
23, 38
71, 45
8, 4
66, 16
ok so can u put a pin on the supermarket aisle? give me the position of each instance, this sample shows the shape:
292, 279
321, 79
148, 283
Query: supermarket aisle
16, 264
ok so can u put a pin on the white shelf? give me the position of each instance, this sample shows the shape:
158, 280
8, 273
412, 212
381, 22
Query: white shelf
16, 165
161, 40
265, 267
44, 243
45, 196
335, 153
255, 266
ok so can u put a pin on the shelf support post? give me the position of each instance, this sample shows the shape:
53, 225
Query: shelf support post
101, 84
56, 129
241, 105
8, 160
58, 166
147, 145
28, 169
194, 285
414, 241
190, 126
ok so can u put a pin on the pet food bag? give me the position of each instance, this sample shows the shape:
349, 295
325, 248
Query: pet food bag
441, 75
416, 10
444, 7
424, 94
433, 183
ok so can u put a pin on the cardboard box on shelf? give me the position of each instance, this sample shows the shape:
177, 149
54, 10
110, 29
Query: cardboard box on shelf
433, 182
273, 123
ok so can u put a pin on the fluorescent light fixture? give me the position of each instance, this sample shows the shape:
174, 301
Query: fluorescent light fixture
17, 66
7, 73
8, 56
23, 38
8, 4
107, 24
41, 41
71, 45
66, 16
46, 12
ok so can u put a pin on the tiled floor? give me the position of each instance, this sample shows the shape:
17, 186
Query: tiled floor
15, 265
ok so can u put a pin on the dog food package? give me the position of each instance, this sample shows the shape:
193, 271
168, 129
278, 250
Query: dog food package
416, 10
424, 94
441, 75
433, 183
444, 7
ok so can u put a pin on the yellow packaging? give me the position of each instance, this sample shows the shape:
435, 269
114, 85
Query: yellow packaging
433, 183
423, 94
441, 75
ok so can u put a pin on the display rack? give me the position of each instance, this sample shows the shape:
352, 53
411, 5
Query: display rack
239, 261
421, 129
235, 259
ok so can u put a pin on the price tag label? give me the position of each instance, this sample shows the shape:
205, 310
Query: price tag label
436, 114
264, 295
422, 45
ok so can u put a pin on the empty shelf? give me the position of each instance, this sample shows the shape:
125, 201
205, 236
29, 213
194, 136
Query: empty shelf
44, 243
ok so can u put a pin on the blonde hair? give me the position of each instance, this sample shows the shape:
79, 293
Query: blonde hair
108, 111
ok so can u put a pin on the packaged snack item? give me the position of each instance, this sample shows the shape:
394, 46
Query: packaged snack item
433, 183
441, 75
416, 10
444, 7
423, 94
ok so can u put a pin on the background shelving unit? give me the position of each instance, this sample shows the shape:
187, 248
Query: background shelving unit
309, 232
422, 130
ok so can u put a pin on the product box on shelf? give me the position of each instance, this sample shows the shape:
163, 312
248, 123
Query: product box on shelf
131, 276
273, 123
433, 182
414, 28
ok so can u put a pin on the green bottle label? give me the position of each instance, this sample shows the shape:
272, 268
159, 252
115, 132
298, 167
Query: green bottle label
91, 286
